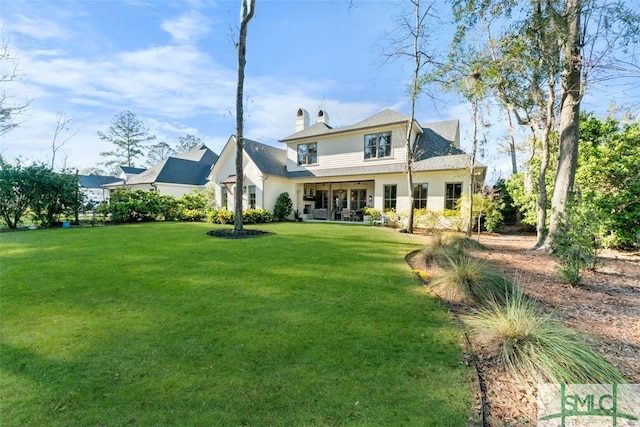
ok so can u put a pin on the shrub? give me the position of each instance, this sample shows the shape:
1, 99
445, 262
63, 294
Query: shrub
192, 206
529, 344
256, 216
249, 216
576, 243
132, 206
225, 216
283, 207
169, 207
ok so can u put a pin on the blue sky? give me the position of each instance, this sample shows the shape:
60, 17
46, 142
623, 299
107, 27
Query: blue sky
173, 64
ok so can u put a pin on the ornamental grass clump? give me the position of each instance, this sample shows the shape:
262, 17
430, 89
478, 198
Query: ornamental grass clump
438, 252
529, 344
462, 278
466, 244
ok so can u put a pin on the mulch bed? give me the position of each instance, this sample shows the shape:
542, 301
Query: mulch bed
605, 308
233, 234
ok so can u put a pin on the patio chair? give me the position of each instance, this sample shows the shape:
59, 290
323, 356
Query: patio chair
382, 220
346, 215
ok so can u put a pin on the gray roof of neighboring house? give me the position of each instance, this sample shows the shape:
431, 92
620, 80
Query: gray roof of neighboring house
96, 181
176, 170
385, 117
199, 153
131, 170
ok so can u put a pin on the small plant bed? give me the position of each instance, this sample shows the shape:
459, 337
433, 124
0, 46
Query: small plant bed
600, 319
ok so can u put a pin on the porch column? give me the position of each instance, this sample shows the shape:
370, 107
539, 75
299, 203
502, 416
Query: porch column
330, 200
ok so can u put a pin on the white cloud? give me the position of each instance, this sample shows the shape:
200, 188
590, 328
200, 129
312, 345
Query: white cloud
187, 27
38, 28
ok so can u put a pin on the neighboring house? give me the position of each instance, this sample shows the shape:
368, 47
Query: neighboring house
127, 172
176, 175
334, 172
92, 187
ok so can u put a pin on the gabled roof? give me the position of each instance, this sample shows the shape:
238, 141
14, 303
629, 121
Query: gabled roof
174, 171
269, 159
438, 139
96, 181
131, 170
191, 168
385, 117
199, 153
435, 149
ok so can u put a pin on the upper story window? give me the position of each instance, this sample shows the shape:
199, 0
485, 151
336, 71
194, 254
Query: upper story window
308, 153
377, 145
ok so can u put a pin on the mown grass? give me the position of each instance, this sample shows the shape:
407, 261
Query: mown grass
160, 324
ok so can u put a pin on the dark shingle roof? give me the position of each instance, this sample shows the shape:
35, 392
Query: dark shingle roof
269, 159
191, 168
436, 150
438, 139
174, 171
131, 170
96, 181
385, 117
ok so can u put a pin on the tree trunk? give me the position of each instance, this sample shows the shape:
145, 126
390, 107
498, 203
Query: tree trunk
549, 121
474, 146
415, 87
569, 118
247, 14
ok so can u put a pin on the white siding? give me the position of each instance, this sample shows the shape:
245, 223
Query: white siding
347, 149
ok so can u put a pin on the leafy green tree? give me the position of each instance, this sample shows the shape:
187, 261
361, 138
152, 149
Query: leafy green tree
578, 41
128, 136
17, 184
36, 187
54, 194
608, 178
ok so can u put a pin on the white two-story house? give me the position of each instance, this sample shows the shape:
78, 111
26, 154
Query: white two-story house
333, 173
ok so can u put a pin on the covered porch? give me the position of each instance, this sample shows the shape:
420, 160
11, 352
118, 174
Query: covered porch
334, 201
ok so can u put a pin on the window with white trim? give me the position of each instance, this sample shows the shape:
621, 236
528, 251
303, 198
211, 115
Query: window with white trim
377, 145
453, 193
308, 153
390, 197
420, 196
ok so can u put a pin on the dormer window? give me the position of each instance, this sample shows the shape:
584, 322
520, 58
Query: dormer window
308, 153
377, 145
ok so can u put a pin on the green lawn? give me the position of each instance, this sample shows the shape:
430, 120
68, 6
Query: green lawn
161, 325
